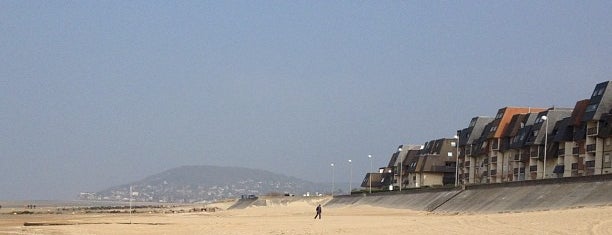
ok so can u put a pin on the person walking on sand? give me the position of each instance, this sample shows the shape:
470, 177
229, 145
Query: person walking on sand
318, 212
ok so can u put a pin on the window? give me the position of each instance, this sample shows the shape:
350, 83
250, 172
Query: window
453, 144
450, 154
591, 108
499, 115
598, 92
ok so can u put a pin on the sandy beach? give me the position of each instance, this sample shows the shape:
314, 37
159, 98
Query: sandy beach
297, 218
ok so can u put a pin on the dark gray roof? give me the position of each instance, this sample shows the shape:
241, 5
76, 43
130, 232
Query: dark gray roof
600, 102
516, 135
563, 130
473, 132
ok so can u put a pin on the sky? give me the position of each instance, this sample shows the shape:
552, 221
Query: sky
95, 94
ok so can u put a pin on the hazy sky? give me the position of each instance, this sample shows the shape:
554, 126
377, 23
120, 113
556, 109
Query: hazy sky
99, 93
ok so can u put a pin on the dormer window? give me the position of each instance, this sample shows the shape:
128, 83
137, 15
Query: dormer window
591, 108
499, 115
598, 92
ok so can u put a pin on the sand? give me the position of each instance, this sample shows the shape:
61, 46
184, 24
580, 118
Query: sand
297, 218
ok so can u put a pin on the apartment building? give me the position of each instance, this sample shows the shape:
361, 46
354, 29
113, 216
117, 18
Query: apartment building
467, 140
513, 147
542, 152
435, 164
519, 143
488, 158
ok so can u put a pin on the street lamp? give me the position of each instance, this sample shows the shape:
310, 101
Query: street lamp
545, 118
401, 166
332, 166
350, 176
457, 162
370, 180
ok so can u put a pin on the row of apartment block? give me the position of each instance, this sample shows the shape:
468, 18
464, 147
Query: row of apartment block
518, 143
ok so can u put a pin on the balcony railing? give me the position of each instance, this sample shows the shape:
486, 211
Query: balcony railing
589, 164
519, 170
443, 169
592, 131
495, 145
590, 171
591, 148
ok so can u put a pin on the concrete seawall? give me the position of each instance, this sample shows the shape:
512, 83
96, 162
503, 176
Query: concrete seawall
492, 198
423, 201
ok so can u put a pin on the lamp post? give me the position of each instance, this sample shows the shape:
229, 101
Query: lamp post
401, 166
332, 166
131, 204
457, 162
370, 180
545, 118
350, 176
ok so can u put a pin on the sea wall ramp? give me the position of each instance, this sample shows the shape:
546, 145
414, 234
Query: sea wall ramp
422, 200
491, 198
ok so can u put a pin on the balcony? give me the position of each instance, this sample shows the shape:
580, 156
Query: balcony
589, 164
495, 145
519, 170
443, 168
575, 150
593, 131
591, 148
574, 166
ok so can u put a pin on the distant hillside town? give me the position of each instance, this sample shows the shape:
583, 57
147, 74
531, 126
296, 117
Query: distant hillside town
517, 144
188, 184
